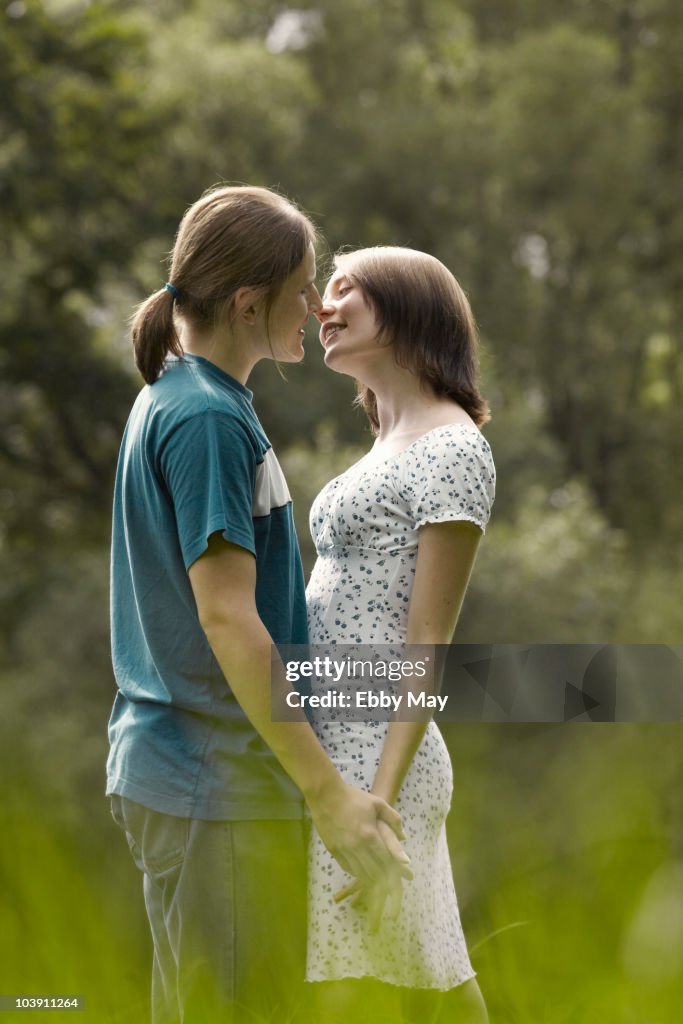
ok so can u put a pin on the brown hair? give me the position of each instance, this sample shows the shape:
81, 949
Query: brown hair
423, 313
234, 236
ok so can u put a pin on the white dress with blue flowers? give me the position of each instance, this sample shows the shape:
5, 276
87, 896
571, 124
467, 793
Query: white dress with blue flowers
365, 526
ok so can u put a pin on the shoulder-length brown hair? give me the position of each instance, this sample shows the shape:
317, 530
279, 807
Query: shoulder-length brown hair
423, 313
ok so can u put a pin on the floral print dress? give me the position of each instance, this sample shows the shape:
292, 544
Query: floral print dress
365, 526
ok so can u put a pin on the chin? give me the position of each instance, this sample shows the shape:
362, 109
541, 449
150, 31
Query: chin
291, 357
335, 364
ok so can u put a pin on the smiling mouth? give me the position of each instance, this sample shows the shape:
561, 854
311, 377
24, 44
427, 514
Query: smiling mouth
330, 331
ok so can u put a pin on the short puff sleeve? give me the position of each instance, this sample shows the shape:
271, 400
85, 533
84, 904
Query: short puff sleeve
451, 477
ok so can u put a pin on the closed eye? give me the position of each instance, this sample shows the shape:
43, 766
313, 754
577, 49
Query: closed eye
338, 290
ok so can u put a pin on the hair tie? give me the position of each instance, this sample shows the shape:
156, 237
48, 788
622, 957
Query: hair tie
172, 289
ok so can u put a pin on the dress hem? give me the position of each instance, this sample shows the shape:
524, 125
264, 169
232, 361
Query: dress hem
389, 981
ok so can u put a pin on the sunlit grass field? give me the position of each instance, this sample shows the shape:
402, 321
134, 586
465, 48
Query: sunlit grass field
567, 846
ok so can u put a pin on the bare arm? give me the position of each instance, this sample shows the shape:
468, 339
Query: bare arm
223, 581
445, 557
446, 554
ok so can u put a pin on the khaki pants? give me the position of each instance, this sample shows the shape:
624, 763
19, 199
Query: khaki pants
226, 902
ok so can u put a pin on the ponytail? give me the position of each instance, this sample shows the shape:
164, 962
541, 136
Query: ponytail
234, 236
154, 335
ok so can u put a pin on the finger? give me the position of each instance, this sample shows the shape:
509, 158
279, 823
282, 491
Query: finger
401, 860
344, 863
386, 862
391, 816
370, 859
393, 845
394, 900
357, 863
347, 891
376, 901
373, 860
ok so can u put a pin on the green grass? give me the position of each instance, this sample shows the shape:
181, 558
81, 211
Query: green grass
568, 861
71, 919
566, 843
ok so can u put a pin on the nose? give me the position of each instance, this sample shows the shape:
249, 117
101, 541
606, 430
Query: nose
314, 301
326, 308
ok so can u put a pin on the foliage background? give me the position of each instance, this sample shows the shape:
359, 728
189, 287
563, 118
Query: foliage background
535, 147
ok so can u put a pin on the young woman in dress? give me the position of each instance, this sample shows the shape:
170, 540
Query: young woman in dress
396, 537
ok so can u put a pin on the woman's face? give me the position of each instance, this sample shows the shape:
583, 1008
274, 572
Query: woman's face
297, 299
349, 332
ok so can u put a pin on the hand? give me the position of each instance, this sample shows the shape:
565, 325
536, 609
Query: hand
362, 832
380, 899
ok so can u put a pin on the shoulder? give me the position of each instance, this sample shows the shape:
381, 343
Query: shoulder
185, 390
456, 444
185, 404
448, 470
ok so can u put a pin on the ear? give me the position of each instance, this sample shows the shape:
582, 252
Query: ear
247, 304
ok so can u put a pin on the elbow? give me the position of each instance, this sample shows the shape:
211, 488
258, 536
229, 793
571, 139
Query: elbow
432, 634
434, 637
225, 621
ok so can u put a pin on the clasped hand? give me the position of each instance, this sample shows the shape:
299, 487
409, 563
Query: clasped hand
380, 898
363, 833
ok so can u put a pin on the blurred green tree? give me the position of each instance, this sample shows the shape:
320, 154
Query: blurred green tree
534, 147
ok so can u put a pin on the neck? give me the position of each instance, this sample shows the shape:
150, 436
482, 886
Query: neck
406, 408
225, 350
401, 401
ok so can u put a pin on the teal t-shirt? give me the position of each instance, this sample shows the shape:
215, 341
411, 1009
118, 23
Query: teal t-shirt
194, 461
